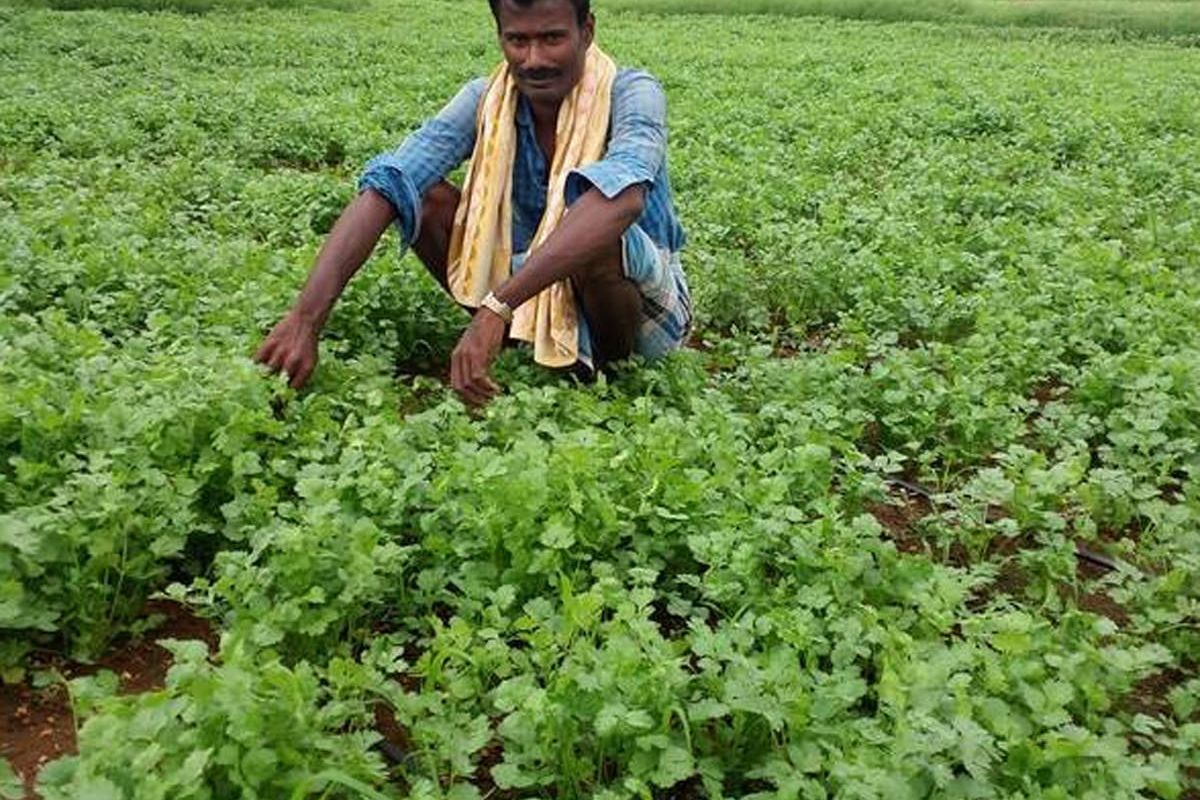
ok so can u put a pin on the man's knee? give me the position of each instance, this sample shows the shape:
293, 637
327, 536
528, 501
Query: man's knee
432, 245
607, 269
612, 304
438, 207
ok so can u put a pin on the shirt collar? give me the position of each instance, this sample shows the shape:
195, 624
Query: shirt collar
524, 112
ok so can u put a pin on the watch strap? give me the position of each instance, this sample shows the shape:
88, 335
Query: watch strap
497, 306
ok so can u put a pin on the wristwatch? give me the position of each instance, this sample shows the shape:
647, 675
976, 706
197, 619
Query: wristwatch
497, 306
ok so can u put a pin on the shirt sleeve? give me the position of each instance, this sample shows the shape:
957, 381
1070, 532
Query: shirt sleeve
638, 144
425, 157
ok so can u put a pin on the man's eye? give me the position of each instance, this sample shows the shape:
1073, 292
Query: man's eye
553, 38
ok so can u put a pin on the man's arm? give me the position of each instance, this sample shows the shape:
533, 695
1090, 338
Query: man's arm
606, 196
583, 236
389, 190
592, 225
291, 345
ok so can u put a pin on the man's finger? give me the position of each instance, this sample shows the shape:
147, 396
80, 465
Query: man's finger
483, 386
456, 372
300, 376
476, 389
471, 393
294, 364
470, 397
279, 360
264, 351
458, 379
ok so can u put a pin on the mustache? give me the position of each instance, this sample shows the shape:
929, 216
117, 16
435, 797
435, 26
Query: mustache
538, 74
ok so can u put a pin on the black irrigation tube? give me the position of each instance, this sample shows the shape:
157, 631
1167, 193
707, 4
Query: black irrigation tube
1081, 552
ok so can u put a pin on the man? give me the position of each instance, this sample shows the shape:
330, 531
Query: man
564, 234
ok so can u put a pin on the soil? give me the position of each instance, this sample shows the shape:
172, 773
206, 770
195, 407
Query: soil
1151, 695
491, 755
697, 342
899, 519
1098, 602
37, 725
396, 744
1049, 390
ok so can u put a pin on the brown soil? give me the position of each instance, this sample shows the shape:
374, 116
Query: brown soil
697, 342
670, 625
396, 744
1048, 390
1098, 602
815, 340
490, 756
1151, 695
37, 725
899, 519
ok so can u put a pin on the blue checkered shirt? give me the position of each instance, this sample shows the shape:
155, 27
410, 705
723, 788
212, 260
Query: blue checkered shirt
636, 153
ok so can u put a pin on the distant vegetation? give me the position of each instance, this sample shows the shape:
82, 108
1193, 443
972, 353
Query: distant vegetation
917, 515
1153, 17
183, 6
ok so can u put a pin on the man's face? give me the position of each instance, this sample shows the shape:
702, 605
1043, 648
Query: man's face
545, 47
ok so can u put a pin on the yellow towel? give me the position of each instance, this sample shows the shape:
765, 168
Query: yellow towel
480, 257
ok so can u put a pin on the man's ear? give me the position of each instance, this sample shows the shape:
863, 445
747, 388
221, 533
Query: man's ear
589, 29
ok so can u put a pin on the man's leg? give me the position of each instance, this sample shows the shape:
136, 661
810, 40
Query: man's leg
437, 219
612, 304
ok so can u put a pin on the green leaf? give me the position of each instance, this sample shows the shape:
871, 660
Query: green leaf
558, 535
706, 709
11, 787
192, 769
674, 765
510, 776
462, 791
98, 788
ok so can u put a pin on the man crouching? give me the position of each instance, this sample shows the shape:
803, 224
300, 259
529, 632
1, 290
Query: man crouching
564, 234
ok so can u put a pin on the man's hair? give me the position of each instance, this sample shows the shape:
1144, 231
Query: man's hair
582, 8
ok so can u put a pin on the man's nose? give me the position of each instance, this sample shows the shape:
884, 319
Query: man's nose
537, 57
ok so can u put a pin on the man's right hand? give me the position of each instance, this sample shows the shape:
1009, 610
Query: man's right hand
291, 346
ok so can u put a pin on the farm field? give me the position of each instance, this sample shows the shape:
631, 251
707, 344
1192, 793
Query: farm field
1172, 18
916, 515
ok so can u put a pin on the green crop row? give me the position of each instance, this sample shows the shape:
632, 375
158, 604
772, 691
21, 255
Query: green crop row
181, 6
949, 262
1170, 18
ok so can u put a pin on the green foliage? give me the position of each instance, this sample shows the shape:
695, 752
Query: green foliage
184, 6
248, 727
11, 787
110, 482
979, 275
1137, 17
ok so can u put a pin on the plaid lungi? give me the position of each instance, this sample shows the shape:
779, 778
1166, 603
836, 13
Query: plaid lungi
666, 302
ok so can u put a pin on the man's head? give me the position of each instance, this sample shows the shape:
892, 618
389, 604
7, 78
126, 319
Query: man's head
545, 43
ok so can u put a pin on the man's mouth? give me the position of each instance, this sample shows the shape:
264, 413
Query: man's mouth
538, 79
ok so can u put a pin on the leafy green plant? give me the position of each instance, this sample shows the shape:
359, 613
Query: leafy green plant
245, 727
945, 324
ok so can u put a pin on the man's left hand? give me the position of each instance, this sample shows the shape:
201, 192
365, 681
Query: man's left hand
473, 356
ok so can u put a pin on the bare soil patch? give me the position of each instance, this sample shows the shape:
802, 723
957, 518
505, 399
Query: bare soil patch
38, 726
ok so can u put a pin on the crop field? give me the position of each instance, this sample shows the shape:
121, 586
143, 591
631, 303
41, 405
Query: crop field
916, 515
1174, 18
